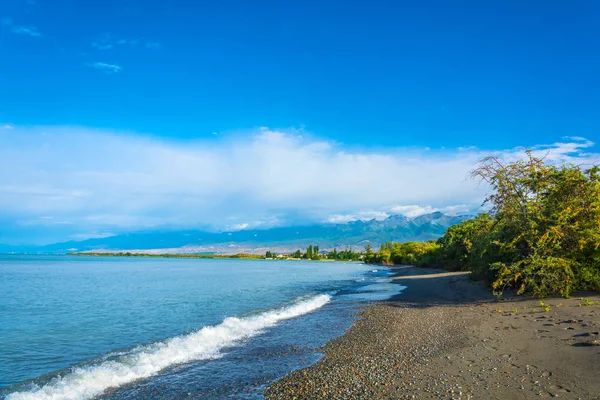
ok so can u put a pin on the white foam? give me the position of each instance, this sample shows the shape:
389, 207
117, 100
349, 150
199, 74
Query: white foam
145, 361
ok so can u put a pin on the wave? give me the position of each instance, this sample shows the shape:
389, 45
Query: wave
142, 362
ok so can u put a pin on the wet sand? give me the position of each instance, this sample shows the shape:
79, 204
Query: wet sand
446, 337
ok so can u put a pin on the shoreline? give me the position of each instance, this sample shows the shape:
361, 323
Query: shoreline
447, 337
207, 256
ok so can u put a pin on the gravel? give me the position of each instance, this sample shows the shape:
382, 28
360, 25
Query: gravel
447, 338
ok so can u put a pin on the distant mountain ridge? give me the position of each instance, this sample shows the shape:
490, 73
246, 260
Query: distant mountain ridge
352, 234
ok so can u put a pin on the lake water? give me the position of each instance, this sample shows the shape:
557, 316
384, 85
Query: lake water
137, 328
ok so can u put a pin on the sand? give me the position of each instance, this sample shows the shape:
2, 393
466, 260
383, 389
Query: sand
446, 337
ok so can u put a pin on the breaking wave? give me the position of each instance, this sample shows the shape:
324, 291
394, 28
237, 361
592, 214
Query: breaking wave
84, 382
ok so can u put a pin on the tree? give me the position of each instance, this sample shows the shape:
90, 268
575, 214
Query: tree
309, 252
385, 254
541, 234
546, 228
464, 245
368, 253
333, 255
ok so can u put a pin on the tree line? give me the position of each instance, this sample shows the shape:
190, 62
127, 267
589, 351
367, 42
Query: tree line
541, 234
313, 253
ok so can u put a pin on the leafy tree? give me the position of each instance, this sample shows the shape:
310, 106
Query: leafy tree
385, 253
462, 243
309, 252
369, 255
541, 234
546, 225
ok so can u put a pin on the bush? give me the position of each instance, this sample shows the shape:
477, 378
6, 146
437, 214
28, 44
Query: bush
542, 234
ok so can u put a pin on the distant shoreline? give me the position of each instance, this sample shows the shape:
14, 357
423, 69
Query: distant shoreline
169, 255
245, 256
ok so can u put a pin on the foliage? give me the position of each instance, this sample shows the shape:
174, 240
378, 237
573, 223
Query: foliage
344, 255
586, 302
546, 227
309, 253
413, 253
541, 235
313, 253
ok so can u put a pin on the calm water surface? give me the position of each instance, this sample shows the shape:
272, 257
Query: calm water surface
133, 328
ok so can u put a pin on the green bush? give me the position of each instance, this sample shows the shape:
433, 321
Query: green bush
541, 235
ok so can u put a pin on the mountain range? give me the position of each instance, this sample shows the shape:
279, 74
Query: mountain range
355, 234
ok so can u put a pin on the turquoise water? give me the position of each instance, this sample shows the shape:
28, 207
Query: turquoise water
83, 327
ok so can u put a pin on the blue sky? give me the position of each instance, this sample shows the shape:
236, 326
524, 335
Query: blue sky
385, 83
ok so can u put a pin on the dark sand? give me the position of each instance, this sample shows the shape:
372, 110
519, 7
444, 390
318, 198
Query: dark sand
445, 337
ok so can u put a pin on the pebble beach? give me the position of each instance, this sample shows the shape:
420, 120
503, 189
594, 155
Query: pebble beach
447, 337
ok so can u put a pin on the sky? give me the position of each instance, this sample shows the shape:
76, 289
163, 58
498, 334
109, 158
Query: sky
128, 115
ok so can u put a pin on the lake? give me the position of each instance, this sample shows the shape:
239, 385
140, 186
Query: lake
134, 328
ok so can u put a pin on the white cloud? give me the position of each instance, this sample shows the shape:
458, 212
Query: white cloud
409, 211
108, 42
102, 181
238, 227
365, 215
26, 30
459, 209
109, 68
412, 210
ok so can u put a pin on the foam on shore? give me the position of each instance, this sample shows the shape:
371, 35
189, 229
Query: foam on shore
142, 362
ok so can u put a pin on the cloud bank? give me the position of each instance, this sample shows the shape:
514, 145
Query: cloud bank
80, 181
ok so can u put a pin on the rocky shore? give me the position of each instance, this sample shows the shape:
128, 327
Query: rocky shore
445, 337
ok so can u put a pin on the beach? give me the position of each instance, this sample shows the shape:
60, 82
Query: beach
447, 337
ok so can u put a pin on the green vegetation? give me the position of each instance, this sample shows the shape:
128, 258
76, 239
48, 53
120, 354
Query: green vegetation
344, 255
545, 307
586, 302
271, 254
541, 235
409, 253
313, 253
